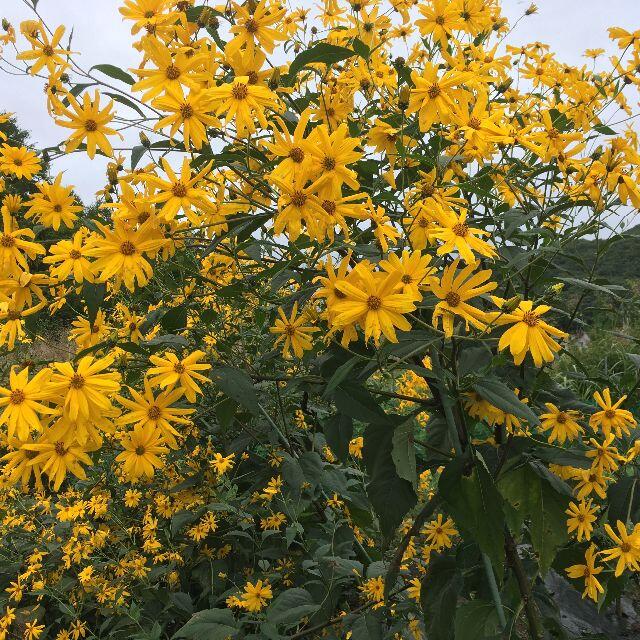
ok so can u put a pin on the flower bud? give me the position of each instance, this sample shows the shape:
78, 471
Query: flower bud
146, 143
403, 97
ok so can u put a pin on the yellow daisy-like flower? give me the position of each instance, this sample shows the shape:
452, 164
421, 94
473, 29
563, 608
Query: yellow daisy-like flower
581, 519
171, 371
563, 424
256, 596
22, 401
529, 333
142, 448
612, 417
626, 549
588, 571
292, 332
19, 161
89, 123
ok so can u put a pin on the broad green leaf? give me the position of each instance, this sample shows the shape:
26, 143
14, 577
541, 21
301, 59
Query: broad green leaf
237, 385
439, 597
340, 374
476, 506
127, 102
212, 624
542, 500
584, 284
499, 395
477, 620
338, 431
403, 452
391, 496
174, 319
321, 52
114, 72
136, 155
357, 403
291, 606
93, 296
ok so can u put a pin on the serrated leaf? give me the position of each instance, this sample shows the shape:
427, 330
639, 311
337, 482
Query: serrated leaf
237, 385
291, 606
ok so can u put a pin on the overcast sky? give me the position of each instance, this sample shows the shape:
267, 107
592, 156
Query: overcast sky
569, 26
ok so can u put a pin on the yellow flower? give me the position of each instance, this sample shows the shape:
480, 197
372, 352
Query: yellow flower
581, 519
454, 290
179, 192
170, 371
70, 259
13, 245
605, 457
563, 424
457, 237
53, 205
221, 463
190, 114
437, 98
156, 411
374, 301
142, 446
256, 596
46, 52
120, 253
414, 269
19, 161
57, 458
612, 417
171, 72
86, 390
588, 571
626, 549
254, 30
22, 401
89, 123
244, 102
292, 332
438, 533
529, 333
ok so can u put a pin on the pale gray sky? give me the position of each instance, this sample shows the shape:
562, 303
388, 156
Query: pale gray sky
568, 26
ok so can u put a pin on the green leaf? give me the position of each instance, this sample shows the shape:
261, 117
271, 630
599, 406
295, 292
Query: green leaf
439, 597
367, 627
212, 624
114, 72
237, 385
476, 620
538, 496
136, 155
338, 431
356, 402
603, 128
584, 284
93, 296
476, 505
291, 606
225, 412
499, 395
340, 374
174, 319
391, 496
624, 498
403, 452
321, 52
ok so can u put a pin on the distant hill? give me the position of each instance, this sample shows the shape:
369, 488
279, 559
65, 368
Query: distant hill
619, 264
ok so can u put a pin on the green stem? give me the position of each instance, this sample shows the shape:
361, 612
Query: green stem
495, 594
